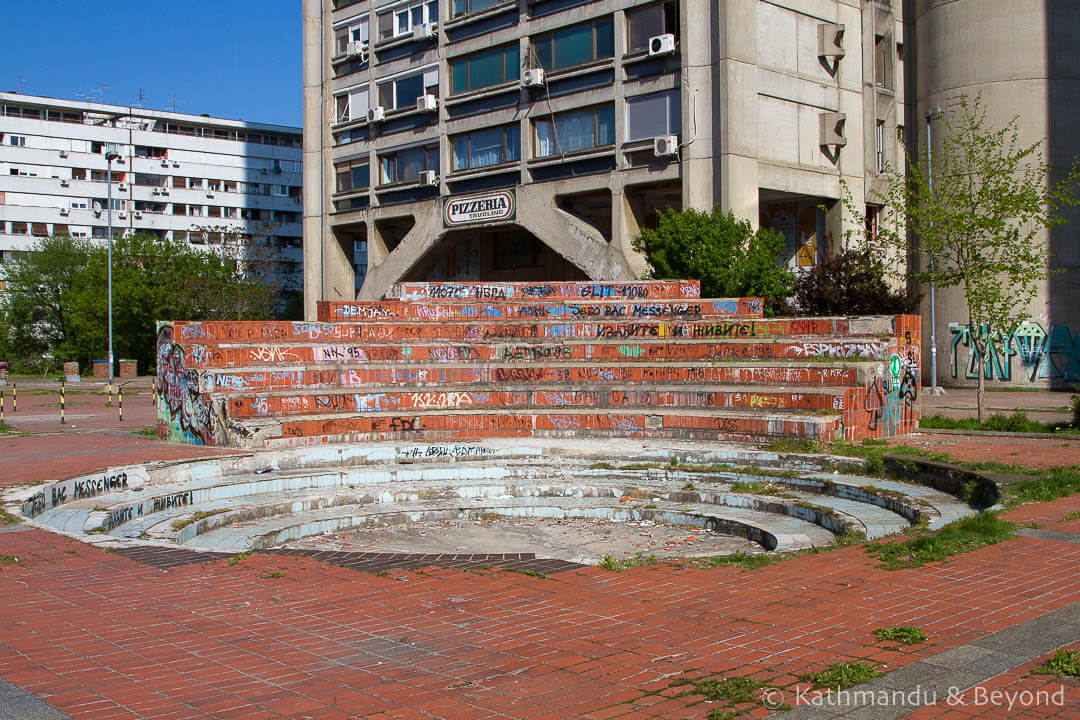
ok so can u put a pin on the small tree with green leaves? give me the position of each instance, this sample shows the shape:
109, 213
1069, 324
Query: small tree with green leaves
728, 256
977, 216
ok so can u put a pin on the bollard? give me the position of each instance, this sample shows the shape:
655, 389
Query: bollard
14, 397
61, 402
1, 405
120, 402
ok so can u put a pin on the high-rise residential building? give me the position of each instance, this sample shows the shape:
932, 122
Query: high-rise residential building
208, 181
532, 139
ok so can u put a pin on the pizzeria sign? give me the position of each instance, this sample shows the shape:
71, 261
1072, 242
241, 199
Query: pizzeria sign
489, 207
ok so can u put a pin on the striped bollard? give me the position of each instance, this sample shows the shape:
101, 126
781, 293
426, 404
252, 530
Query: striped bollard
1, 405
14, 397
120, 400
62, 421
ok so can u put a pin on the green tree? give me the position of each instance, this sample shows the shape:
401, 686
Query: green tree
976, 215
56, 299
726, 255
851, 283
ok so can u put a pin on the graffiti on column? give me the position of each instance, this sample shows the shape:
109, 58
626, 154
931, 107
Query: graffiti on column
183, 412
1042, 353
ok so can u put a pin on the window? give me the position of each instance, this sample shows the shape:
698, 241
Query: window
882, 61
576, 130
403, 18
401, 92
17, 140
352, 175
213, 211
649, 116
18, 228
195, 183
483, 69
80, 174
352, 105
144, 151
492, 146
229, 212
279, 190
464, 7
575, 45
355, 30
879, 136
647, 22
873, 213
406, 165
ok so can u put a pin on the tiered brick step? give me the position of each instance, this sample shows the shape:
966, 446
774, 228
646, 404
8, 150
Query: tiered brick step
484, 371
585, 290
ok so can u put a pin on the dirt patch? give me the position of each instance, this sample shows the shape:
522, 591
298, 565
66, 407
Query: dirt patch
577, 540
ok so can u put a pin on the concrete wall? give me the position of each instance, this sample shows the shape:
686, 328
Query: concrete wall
1020, 56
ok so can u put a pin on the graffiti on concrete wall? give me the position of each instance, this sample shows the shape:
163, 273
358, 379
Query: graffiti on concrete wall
183, 412
1037, 352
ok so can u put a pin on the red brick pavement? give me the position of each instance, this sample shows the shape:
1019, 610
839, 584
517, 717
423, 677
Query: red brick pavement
101, 636
1031, 452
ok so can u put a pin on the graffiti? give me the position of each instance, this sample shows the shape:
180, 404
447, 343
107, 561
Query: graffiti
107, 483
1043, 354
453, 451
183, 412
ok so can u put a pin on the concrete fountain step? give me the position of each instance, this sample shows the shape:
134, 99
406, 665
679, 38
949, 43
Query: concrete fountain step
442, 311
329, 377
356, 354
514, 395
283, 332
580, 289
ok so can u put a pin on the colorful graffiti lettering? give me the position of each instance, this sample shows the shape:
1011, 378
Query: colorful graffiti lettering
1043, 354
183, 412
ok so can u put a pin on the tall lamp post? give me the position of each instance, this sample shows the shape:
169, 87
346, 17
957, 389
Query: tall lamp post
110, 155
934, 389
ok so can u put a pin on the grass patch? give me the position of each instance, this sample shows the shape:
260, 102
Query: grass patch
1017, 422
761, 488
8, 560
841, 675
195, 517
5, 428
903, 634
792, 445
729, 690
961, 536
7, 518
147, 430
530, 573
745, 560
1051, 485
99, 530
239, 558
601, 466
639, 466
1065, 663
1072, 516
619, 564
273, 575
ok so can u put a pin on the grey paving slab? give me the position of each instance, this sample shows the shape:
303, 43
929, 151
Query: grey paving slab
933, 679
18, 704
1049, 535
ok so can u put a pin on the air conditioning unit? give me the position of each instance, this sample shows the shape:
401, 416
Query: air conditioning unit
376, 113
427, 103
138, 214
209, 194
666, 146
830, 40
428, 178
122, 215
65, 211
176, 163
533, 77
424, 32
164, 163
831, 129
156, 191
64, 183
662, 45
122, 188
97, 213
63, 153
357, 49
164, 191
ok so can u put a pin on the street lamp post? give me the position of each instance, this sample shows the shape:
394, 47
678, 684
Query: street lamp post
934, 389
110, 155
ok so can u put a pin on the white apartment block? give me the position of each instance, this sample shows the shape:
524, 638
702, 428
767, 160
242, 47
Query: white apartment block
185, 177
580, 120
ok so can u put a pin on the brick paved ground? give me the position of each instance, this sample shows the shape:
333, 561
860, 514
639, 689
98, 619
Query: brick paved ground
102, 636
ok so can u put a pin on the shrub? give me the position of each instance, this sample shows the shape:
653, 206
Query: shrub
851, 283
728, 256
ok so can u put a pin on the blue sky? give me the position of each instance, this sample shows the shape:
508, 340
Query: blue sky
237, 59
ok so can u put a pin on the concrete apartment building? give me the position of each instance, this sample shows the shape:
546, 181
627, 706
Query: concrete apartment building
532, 139
187, 177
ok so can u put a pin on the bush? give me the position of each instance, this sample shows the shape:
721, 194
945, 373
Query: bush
851, 283
726, 255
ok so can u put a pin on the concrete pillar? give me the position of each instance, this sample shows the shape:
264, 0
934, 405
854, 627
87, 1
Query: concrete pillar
315, 124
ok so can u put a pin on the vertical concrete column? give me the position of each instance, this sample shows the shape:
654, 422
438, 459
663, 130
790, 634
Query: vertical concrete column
732, 114
315, 126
